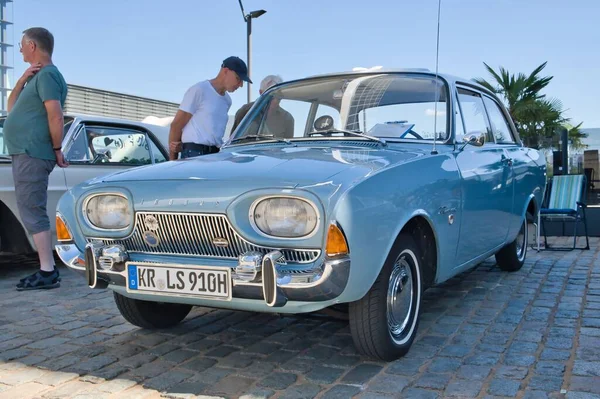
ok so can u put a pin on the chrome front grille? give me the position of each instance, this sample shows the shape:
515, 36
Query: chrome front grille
194, 234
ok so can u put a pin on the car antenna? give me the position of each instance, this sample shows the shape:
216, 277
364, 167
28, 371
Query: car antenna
437, 55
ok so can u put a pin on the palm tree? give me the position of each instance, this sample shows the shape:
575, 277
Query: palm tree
516, 90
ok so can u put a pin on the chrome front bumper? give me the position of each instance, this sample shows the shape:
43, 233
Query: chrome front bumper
255, 276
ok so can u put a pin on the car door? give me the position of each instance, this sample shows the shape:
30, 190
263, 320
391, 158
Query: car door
97, 149
517, 158
486, 183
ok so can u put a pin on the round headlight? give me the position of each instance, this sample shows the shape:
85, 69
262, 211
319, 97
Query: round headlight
285, 217
108, 212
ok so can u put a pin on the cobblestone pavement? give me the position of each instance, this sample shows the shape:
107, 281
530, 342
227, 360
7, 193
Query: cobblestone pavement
530, 334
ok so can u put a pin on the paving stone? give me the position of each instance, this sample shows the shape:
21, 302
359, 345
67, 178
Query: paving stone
444, 365
341, 392
504, 387
550, 368
483, 359
512, 372
324, 375
278, 381
21, 377
361, 374
433, 381
256, 370
474, 372
555, 354
257, 393
302, 391
519, 360
231, 385
545, 383
417, 393
92, 364
388, 383
463, 388
585, 384
583, 368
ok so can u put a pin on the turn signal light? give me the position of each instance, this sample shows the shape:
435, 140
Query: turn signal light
62, 232
336, 242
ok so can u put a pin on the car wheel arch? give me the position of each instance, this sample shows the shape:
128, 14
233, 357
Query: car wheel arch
421, 229
13, 237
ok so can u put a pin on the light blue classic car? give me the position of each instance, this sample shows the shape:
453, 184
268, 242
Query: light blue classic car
351, 191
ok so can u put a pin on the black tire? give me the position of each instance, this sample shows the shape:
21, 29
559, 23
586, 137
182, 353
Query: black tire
151, 315
512, 257
371, 315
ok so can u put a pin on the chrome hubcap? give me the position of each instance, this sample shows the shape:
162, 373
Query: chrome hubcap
522, 240
400, 298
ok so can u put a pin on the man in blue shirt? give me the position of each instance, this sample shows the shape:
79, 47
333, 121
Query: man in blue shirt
33, 133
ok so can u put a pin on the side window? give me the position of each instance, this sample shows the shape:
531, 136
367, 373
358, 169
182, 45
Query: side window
499, 126
78, 150
158, 156
458, 122
284, 119
110, 145
473, 112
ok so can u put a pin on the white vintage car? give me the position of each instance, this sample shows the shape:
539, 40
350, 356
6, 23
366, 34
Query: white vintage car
94, 146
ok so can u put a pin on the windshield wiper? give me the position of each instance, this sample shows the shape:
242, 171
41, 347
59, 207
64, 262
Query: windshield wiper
350, 132
260, 136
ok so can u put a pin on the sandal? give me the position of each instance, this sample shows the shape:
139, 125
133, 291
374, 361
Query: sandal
38, 282
55, 269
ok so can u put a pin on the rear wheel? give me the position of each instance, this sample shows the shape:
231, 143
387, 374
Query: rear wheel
148, 314
512, 257
384, 322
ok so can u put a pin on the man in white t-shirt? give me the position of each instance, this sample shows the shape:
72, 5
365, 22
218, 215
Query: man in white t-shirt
199, 125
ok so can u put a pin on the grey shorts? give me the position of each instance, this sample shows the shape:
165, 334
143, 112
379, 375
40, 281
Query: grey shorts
31, 188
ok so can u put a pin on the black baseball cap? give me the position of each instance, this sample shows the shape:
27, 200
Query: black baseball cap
238, 66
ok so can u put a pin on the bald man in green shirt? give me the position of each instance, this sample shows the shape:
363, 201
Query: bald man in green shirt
33, 133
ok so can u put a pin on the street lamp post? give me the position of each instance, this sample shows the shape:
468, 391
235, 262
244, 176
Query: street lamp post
248, 18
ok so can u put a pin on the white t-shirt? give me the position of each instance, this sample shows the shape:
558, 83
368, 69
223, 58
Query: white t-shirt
209, 112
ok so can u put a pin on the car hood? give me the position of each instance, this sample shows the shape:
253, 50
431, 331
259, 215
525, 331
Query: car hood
287, 165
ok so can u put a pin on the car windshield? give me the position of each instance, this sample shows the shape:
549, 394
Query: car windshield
388, 106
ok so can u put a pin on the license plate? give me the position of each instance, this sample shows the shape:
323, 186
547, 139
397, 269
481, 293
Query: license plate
199, 281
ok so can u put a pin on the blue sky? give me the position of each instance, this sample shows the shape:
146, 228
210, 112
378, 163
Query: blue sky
157, 48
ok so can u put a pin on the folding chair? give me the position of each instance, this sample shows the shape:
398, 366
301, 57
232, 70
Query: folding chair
566, 203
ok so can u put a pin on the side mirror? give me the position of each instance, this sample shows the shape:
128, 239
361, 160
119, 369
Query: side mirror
475, 139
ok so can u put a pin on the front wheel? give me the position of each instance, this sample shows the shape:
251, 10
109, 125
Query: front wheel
384, 322
151, 315
512, 257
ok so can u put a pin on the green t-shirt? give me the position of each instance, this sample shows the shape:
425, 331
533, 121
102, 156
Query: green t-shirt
26, 129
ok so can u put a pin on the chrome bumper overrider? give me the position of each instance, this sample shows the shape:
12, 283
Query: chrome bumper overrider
255, 276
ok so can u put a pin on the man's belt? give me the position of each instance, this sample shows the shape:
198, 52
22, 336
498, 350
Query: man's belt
208, 149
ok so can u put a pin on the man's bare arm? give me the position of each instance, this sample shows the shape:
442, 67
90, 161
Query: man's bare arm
56, 124
181, 119
14, 94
